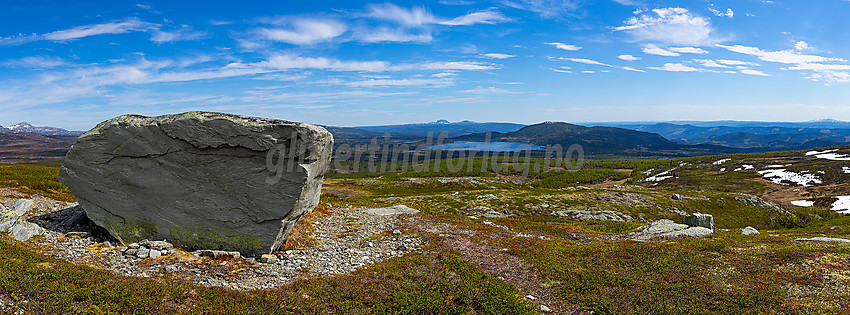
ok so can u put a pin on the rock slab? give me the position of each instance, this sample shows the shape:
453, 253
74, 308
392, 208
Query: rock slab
16, 227
200, 180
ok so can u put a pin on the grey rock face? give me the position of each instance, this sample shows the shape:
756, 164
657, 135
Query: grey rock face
22, 206
200, 180
668, 228
700, 219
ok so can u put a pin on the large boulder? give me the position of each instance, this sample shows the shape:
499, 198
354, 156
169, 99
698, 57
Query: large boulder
699, 220
200, 180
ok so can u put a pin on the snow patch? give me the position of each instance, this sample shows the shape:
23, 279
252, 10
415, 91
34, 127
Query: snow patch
777, 165
820, 152
722, 169
803, 203
660, 176
747, 166
780, 174
845, 169
721, 161
842, 205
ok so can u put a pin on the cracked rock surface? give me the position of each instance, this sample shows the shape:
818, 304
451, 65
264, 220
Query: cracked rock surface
200, 180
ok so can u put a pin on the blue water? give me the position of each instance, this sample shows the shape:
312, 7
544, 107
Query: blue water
486, 146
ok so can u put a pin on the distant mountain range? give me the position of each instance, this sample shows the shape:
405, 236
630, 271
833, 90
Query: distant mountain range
454, 129
599, 140
28, 146
760, 135
22, 127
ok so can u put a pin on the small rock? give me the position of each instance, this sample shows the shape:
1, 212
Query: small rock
154, 253
396, 232
676, 197
488, 197
544, 308
530, 297
401, 248
143, 252
131, 251
267, 259
749, 231
158, 245
164, 252
107, 244
134, 246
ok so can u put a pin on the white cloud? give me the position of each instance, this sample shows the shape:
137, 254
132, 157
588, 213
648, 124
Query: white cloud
416, 16
830, 77
651, 49
124, 26
546, 8
561, 70
184, 33
587, 61
480, 17
400, 82
498, 56
384, 34
677, 67
143, 6
488, 90
688, 50
419, 16
802, 45
782, 56
304, 31
628, 57
35, 62
710, 63
632, 69
670, 25
452, 65
282, 62
564, 46
754, 72
736, 62
728, 13
444, 74
819, 67
588, 71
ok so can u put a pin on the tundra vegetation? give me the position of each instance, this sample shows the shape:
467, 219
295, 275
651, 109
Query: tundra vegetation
581, 266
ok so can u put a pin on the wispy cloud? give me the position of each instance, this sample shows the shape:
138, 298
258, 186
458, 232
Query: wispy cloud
488, 90
628, 57
781, 56
119, 27
655, 50
564, 46
35, 62
754, 72
728, 13
588, 61
184, 33
546, 8
676, 26
677, 67
688, 50
400, 82
710, 63
497, 56
480, 17
304, 31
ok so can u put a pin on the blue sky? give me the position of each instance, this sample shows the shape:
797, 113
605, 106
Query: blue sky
346, 63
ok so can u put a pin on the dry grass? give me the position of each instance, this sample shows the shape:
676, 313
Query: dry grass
302, 233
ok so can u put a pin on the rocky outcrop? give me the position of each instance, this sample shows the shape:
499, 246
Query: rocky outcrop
668, 228
12, 222
200, 180
594, 215
700, 219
